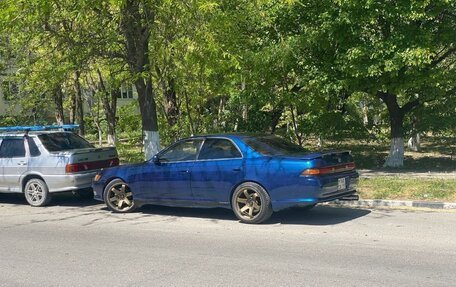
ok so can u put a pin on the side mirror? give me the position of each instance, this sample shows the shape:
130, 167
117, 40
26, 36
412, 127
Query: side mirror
156, 159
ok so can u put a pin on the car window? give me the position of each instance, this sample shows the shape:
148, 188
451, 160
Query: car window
12, 148
218, 149
34, 151
182, 151
273, 145
63, 141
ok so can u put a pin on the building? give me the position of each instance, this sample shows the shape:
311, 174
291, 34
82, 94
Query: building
7, 91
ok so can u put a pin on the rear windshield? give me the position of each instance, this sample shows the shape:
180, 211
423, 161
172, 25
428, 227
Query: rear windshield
273, 145
63, 141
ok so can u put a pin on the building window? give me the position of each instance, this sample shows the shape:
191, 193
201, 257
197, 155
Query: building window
126, 92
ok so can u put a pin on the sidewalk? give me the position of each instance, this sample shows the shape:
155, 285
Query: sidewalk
368, 173
372, 203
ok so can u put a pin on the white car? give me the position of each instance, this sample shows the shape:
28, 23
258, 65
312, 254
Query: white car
39, 161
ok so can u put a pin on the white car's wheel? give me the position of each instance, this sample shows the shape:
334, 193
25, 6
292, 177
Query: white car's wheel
36, 192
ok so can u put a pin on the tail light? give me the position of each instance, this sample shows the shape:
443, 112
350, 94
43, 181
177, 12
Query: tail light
329, 169
85, 166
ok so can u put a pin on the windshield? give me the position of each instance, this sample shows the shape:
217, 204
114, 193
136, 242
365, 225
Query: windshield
273, 145
63, 141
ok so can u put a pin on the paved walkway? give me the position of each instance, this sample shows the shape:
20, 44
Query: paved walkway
366, 173
373, 203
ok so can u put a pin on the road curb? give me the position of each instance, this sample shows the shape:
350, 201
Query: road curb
395, 203
368, 173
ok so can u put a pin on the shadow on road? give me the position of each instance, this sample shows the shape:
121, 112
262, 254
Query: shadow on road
58, 199
208, 213
320, 215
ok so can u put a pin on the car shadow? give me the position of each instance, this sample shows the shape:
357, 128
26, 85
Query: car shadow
191, 212
58, 199
319, 215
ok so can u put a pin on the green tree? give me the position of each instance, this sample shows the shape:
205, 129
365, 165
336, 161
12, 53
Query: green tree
398, 52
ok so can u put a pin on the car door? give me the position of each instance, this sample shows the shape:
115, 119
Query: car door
168, 179
218, 169
13, 163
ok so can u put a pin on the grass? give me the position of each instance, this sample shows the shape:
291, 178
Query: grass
129, 152
394, 188
437, 154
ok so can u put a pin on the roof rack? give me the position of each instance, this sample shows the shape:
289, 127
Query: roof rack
37, 128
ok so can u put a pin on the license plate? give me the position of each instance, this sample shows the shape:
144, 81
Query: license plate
341, 183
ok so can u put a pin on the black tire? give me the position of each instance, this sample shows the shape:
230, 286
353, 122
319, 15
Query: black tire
37, 193
118, 197
84, 194
251, 203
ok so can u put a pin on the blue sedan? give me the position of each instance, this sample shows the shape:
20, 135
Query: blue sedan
252, 175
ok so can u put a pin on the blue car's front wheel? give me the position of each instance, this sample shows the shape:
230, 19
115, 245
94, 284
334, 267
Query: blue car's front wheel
251, 203
118, 197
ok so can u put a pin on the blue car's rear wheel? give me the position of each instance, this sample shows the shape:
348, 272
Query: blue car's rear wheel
251, 203
118, 197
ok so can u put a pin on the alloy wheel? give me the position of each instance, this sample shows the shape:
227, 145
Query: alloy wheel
120, 197
248, 202
35, 193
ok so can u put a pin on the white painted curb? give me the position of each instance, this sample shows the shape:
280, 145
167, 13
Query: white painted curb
395, 203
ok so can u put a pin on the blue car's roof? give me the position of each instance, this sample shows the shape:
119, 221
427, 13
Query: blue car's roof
232, 135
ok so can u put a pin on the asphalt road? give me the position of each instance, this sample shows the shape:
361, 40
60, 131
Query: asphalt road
74, 243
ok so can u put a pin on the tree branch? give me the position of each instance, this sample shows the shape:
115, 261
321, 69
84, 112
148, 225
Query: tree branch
410, 106
439, 59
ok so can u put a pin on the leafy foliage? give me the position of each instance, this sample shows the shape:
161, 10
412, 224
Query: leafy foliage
312, 71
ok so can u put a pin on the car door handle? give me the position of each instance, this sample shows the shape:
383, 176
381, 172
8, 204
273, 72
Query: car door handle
22, 163
236, 169
184, 171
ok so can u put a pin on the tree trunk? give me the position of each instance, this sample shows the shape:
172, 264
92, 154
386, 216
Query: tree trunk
414, 141
244, 107
97, 122
170, 103
94, 101
295, 126
149, 119
58, 101
109, 102
72, 107
396, 116
111, 109
79, 103
136, 21
189, 114
221, 109
171, 108
396, 153
276, 113
365, 110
